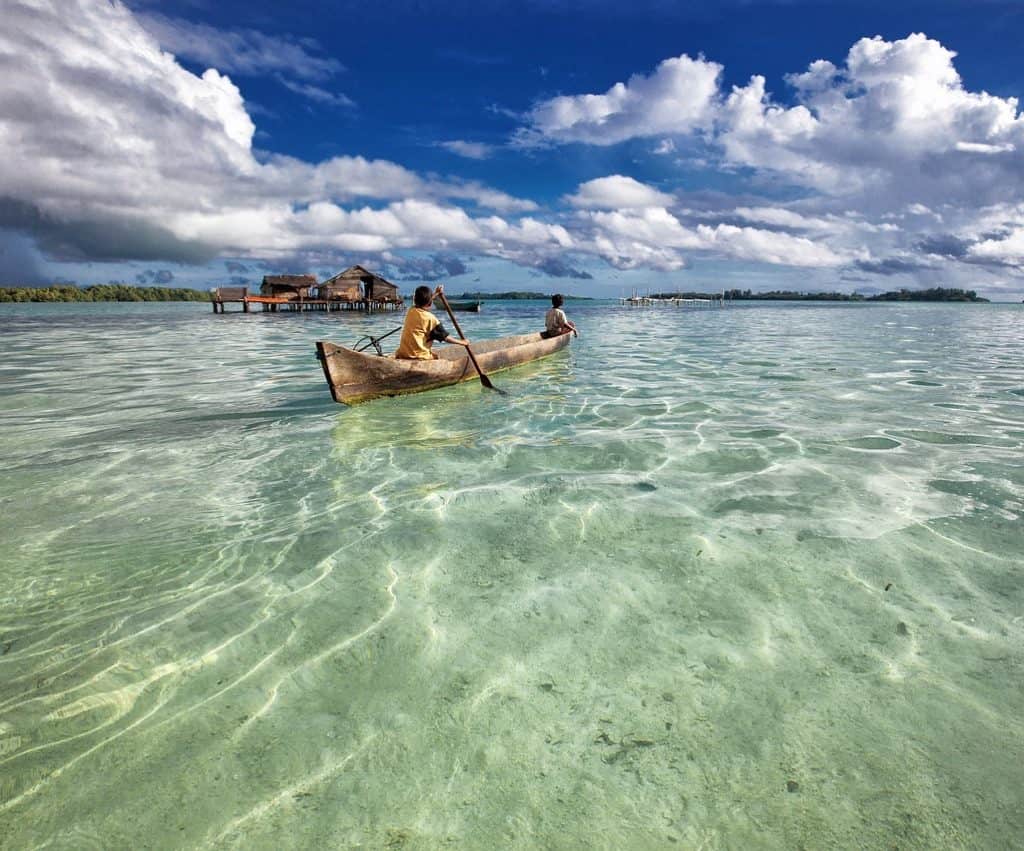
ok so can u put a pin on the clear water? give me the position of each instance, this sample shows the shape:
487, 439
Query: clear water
710, 579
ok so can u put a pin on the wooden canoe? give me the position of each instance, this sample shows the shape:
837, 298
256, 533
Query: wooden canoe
466, 306
356, 377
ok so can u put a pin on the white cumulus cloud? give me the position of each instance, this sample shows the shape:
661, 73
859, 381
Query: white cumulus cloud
1008, 249
657, 228
617, 192
678, 97
894, 125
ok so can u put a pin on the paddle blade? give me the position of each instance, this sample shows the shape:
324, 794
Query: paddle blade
486, 382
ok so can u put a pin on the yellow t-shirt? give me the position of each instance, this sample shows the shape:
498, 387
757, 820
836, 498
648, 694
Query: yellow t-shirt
415, 344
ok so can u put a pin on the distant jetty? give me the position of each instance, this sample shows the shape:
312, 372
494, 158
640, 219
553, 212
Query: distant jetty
516, 295
677, 300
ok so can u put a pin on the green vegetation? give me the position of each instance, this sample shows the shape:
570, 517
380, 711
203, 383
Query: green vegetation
790, 295
101, 292
933, 294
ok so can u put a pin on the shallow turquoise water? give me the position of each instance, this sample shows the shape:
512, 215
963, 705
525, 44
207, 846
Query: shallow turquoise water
720, 578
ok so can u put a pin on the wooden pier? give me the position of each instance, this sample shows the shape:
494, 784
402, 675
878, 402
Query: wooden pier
223, 296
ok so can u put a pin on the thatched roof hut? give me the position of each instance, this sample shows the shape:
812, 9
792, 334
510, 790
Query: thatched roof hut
359, 284
288, 286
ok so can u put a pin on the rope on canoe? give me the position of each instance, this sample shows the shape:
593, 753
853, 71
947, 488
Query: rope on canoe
375, 341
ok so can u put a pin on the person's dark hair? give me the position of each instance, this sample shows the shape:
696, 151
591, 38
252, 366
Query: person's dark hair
422, 296
557, 300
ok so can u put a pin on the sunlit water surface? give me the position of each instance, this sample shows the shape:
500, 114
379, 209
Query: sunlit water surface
710, 579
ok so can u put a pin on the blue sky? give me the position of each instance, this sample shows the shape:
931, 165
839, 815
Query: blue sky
588, 147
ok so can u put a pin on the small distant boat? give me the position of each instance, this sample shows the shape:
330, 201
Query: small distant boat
466, 306
356, 377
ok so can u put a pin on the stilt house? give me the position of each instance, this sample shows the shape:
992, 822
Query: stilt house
359, 284
292, 287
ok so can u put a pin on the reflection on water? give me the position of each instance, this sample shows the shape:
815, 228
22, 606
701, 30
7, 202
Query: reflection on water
744, 577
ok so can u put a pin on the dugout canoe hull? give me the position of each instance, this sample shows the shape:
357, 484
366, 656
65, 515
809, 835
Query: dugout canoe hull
356, 377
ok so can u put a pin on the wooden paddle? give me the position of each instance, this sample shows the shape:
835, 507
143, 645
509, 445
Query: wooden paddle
484, 380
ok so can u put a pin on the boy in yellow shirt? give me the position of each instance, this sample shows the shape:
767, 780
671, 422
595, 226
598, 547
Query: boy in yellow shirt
422, 329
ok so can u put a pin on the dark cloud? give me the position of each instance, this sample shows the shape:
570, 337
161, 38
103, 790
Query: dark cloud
891, 266
432, 268
1010, 263
19, 263
707, 202
555, 267
944, 244
234, 267
846, 276
100, 239
157, 277
294, 265
996, 235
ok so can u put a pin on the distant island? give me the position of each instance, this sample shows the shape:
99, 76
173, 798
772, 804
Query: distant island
933, 294
100, 292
